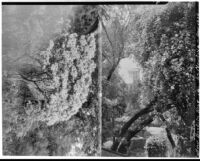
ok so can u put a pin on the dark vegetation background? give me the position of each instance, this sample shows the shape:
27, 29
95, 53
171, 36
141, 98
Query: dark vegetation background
163, 40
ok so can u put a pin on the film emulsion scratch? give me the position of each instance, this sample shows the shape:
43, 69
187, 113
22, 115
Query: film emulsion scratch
149, 81
50, 80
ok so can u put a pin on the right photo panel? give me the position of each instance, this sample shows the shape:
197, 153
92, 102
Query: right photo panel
150, 80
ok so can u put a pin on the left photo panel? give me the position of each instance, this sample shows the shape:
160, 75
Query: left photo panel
50, 80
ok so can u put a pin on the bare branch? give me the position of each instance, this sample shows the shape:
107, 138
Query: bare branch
105, 56
108, 37
169, 136
17, 59
35, 83
37, 60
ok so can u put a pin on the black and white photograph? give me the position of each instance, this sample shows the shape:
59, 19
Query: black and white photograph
50, 80
100, 79
149, 80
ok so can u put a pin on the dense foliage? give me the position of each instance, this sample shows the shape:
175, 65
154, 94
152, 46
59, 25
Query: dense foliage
70, 62
156, 146
50, 90
50, 104
170, 61
163, 40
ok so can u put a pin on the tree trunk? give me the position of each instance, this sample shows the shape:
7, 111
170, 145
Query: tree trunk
110, 73
113, 69
169, 136
145, 123
149, 108
120, 146
124, 133
146, 110
113, 124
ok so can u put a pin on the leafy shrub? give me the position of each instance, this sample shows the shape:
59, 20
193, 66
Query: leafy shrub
156, 146
67, 83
